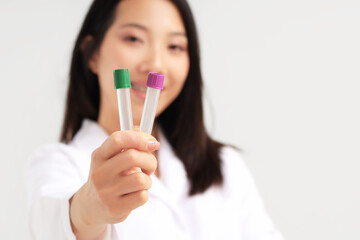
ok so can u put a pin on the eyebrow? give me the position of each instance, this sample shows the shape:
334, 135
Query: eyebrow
144, 28
136, 25
178, 34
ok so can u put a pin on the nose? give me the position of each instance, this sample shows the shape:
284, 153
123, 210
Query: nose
154, 61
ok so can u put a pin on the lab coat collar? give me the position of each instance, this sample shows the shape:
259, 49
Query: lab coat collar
172, 171
89, 137
172, 187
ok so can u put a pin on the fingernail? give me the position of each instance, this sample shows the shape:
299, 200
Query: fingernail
153, 145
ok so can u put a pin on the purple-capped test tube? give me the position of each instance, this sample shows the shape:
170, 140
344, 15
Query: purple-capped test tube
155, 84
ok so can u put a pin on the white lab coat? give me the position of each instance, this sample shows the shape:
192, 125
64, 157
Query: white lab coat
234, 211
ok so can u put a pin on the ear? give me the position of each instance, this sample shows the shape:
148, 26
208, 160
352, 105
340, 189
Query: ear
92, 64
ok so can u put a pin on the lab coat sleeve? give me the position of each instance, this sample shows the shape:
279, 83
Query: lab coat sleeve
52, 178
255, 222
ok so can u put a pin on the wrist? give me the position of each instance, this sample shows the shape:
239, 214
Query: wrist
83, 225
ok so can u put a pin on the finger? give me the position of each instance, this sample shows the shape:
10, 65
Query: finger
131, 183
132, 158
120, 140
110, 171
120, 206
131, 171
135, 199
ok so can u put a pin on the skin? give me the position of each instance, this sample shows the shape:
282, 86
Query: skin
144, 42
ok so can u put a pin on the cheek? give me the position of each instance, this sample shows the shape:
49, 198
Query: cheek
112, 55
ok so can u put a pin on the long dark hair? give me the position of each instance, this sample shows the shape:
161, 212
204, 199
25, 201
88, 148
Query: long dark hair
182, 122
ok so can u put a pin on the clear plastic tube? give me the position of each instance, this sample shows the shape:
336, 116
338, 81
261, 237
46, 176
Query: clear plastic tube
149, 111
155, 84
124, 104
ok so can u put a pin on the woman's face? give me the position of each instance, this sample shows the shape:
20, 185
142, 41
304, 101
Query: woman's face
146, 36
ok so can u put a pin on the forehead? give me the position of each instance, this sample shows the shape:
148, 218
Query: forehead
154, 14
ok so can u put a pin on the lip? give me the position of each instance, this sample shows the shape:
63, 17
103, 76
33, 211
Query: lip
141, 94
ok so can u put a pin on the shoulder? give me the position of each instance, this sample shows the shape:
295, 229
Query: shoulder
232, 159
53, 159
53, 151
237, 176
56, 169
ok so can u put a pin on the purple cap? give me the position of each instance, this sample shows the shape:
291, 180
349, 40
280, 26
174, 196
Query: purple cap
155, 80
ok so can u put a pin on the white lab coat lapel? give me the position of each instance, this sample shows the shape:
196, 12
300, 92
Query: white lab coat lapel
172, 186
172, 171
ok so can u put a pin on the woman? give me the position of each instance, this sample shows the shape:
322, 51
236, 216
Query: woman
191, 187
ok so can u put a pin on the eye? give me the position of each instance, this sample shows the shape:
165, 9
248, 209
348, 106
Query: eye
131, 39
176, 47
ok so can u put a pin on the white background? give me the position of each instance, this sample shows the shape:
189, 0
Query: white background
282, 82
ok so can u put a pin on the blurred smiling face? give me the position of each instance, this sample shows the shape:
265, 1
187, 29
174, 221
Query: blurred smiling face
146, 36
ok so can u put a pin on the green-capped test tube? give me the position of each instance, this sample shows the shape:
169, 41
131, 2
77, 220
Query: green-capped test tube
122, 86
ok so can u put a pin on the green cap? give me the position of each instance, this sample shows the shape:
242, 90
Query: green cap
122, 78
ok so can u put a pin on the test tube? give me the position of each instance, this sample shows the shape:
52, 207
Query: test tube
122, 86
155, 84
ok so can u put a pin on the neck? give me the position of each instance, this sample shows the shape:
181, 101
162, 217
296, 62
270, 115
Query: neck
111, 123
108, 119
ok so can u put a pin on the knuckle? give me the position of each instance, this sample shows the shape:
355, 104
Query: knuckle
154, 163
140, 180
95, 155
138, 140
131, 155
115, 138
94, 177
143, 197
127, 136
148, 184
